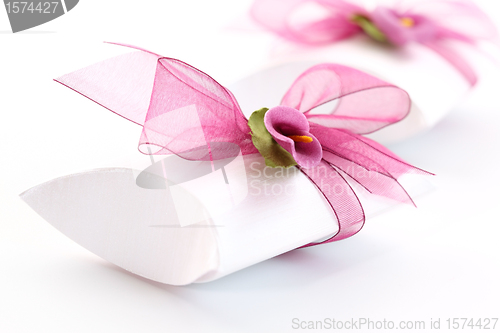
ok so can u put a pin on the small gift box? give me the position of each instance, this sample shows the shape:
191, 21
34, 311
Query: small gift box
423, 47
234, 190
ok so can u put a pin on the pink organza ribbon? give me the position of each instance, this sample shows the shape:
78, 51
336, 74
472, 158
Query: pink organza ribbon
433, 24
184, 111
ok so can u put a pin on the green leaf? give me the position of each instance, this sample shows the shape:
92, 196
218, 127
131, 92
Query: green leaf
369, 28
275, 155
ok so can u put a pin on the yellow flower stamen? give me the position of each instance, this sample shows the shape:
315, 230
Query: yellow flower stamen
407, 22
301, 138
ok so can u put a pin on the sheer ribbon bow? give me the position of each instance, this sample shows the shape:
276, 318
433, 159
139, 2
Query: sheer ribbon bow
183, 111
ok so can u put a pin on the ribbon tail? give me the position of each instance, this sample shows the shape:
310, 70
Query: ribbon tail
456, 60
341, 198
366, 162
379, 183
122, 84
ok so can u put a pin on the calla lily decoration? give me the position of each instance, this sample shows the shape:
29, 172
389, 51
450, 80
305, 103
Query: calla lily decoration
282, 136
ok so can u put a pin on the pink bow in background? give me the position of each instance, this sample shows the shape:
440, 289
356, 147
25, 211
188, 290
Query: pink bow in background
430, 23
184, 111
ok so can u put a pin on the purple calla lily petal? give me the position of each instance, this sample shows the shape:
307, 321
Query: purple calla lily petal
283, 122
391, 23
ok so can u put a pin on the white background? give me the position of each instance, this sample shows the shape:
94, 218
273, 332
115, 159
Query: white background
441, 260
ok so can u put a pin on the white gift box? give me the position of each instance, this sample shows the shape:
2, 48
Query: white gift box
199, 229
179, 222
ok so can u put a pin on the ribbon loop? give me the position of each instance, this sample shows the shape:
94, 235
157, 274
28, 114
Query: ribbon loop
365, 103
333, 24
189, 109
